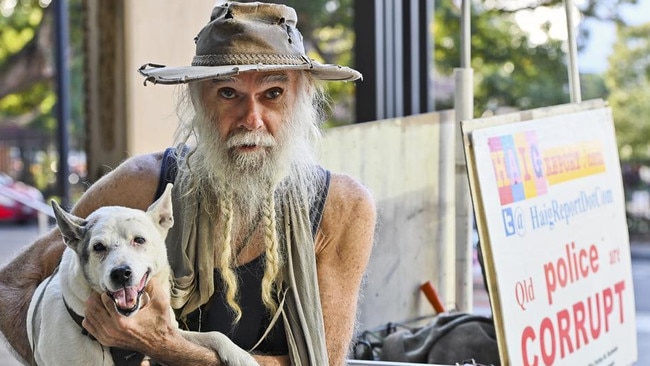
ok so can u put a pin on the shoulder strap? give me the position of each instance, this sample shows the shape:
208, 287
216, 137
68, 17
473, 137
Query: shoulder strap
318, 203
169, 169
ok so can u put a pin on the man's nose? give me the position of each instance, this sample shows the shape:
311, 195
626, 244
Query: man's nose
252, 118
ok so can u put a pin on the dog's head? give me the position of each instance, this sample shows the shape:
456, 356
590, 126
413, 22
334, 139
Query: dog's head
120, 248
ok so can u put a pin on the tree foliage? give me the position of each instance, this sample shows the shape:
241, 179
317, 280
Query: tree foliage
510, 71
606, 10
27, 66
628, 79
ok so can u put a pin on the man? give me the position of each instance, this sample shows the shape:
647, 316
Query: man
267, 247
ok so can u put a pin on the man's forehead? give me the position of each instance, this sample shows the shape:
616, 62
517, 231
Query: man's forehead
260, 77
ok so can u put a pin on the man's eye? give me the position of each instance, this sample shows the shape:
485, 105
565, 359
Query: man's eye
274, 93
227, 93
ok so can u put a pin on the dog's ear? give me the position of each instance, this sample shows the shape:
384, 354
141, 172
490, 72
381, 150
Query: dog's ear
161, 211
72, 227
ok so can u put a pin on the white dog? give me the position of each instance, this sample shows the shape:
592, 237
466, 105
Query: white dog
116, 250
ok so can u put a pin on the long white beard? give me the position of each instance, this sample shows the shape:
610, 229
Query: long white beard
286, 162
223, 190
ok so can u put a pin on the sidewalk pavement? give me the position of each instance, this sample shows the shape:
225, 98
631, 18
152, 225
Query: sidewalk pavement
640, 249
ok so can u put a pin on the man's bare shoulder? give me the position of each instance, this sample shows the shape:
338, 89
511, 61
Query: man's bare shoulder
347, 193
348, 217
139, 166
133, 183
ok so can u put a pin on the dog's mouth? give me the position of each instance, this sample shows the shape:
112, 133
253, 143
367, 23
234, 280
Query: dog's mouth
127, 299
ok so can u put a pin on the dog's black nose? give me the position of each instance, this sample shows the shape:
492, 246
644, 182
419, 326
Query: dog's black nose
121, 275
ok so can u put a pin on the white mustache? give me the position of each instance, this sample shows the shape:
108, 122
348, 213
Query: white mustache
258, 138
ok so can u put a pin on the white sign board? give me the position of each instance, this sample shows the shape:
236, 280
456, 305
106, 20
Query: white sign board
550, 209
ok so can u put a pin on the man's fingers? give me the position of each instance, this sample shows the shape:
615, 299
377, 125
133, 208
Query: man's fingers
157, 295
98, 312
153, 292
108, 302
99, 305
94, 307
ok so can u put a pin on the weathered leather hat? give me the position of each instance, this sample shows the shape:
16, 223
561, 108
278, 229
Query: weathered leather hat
243, 37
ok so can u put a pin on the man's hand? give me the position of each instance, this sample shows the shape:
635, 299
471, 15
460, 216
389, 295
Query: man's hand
149, 327
151, 331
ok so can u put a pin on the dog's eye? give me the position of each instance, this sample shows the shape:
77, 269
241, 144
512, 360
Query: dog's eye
99, 247
139, 240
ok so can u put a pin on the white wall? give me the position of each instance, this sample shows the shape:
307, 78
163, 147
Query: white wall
162, 34
399, 160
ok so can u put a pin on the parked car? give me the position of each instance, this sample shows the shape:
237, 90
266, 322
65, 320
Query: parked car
15, 197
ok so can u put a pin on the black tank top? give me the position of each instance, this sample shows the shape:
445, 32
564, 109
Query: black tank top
216, 315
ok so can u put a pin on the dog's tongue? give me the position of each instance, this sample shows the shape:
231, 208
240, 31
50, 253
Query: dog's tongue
126, 298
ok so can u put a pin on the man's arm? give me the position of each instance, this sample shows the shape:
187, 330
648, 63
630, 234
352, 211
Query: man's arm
132, 184
343, 247
18, 281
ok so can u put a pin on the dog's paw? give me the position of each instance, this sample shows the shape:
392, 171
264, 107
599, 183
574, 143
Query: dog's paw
229, 353
236, 357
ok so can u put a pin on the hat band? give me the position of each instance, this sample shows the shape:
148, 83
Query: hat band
248, 59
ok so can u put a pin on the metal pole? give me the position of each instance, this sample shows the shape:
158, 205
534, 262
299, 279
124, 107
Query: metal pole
465, 35
574, 75
380, 60
63, 96
427, 93
464, 107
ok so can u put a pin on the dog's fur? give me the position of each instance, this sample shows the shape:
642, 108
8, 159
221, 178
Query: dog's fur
115, 250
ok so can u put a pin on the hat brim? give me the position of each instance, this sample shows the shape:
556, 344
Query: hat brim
160, 74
